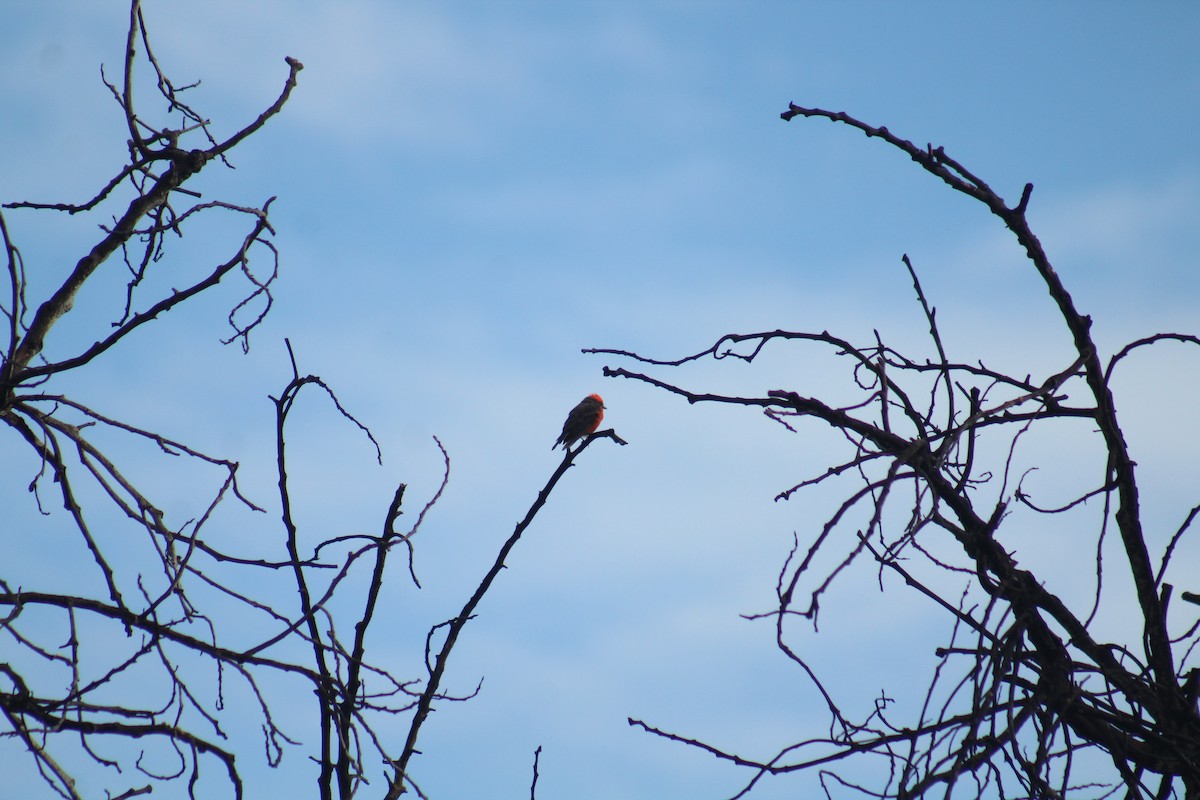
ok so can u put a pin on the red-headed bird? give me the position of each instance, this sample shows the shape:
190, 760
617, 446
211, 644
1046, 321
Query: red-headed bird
583, 419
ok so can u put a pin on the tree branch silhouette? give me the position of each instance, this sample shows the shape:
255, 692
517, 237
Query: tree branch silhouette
150, 620
1021, 708
455, 625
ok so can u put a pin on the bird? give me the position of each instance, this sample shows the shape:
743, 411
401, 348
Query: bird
583, 419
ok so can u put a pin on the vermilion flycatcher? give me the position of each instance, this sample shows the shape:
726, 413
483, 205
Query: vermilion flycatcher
583, 419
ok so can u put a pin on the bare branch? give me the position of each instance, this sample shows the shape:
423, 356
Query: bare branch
1014, 711
455, 625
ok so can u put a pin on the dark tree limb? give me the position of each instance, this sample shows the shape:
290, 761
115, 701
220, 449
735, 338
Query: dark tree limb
455, 625
1014, 711
148, 586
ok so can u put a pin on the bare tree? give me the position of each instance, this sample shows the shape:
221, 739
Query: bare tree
146, 621
139, 693
123, 673
1025, 700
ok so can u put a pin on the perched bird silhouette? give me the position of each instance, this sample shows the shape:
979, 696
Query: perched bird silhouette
583, 419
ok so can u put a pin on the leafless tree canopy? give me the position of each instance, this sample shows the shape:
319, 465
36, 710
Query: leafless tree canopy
180, 623
148, 616
128, 674
1025, 701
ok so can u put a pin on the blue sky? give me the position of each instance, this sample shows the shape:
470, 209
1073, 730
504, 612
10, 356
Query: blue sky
468, 194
